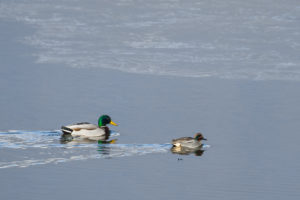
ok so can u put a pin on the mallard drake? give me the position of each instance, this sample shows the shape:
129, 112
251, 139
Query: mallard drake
85, 129
189, 142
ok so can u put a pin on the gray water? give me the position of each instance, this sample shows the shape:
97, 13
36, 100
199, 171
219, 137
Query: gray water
161, 70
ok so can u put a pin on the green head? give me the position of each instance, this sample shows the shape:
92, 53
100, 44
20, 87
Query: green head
104, 120
199, 137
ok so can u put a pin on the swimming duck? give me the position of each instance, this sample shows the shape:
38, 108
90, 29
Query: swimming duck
189, 142
85, 129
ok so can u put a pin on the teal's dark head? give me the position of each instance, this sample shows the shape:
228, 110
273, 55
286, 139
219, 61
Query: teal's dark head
199, 137
104, 120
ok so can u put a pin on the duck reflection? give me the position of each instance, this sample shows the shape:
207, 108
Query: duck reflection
187, 151
69, 139
105, 149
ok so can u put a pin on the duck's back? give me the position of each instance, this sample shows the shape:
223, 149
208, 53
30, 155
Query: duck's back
82, 125
182, 140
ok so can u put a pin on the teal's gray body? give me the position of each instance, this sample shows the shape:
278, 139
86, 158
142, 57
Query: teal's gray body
186, 142
189, 141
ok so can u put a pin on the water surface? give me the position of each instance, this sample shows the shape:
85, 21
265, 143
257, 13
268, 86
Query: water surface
161, 70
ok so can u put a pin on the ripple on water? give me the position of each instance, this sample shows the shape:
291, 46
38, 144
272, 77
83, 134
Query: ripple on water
19, 149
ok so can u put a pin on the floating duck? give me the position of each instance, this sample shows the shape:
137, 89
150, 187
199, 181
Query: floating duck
189, 142
85, 129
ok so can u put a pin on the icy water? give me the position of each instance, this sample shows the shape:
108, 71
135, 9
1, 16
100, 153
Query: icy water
161, 70
229, 39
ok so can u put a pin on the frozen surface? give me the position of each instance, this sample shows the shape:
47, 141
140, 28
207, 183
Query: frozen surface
232, 39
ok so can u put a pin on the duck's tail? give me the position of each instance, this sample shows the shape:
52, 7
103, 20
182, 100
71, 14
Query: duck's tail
66, 130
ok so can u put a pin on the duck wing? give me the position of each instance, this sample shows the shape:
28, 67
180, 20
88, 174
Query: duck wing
183, 139
82, 125
77, 127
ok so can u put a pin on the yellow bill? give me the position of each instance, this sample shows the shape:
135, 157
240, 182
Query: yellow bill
113, 141
113, 123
